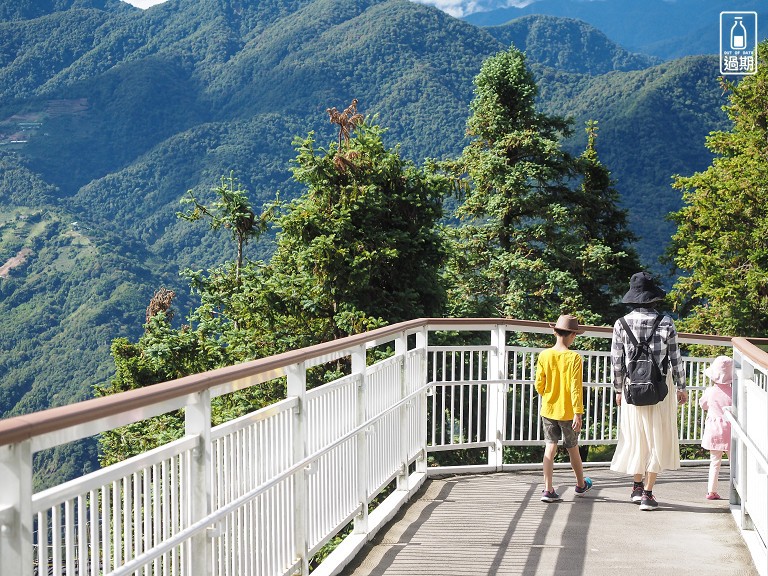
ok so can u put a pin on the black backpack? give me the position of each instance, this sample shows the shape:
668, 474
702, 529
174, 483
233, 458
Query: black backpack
647, 380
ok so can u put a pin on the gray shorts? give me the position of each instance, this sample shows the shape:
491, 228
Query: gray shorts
554, 430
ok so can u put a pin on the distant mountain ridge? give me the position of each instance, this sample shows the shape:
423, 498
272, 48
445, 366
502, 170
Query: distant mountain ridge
121, 111
31, 9
663, 28
569, 45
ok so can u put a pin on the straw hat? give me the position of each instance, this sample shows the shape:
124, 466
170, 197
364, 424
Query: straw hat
568, 323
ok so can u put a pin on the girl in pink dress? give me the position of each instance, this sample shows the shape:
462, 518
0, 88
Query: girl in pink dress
717, 430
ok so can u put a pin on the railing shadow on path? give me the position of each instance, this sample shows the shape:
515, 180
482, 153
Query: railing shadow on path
494, 524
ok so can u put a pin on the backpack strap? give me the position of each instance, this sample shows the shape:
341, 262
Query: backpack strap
633, 338
628, 330
635, 343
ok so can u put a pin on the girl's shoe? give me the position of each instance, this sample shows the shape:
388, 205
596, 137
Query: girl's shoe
713, 496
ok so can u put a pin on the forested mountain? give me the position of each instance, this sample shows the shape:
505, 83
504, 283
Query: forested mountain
29, 9
568, 45
110, 114
664, 28
653, 124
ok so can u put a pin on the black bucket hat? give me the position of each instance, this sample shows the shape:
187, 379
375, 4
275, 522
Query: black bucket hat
643, 290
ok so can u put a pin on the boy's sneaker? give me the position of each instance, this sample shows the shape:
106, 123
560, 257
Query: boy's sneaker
551, 496
648, 502
580, 490
637, 494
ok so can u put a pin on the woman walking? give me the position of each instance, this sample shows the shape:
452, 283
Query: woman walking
648, 439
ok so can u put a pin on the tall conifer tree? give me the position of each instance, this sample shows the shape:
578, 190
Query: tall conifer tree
598, 245
541, 231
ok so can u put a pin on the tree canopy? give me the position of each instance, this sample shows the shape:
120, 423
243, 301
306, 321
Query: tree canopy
542, 233
359, 249
720, 242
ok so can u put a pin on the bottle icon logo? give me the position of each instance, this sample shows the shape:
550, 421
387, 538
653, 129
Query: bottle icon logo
738, 35
738, 43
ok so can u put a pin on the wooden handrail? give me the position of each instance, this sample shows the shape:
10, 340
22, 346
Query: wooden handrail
20, 428
750, 348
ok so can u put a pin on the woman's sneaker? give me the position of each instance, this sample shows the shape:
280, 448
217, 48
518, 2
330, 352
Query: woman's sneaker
648, 502
637, 494
551, 496
580, 490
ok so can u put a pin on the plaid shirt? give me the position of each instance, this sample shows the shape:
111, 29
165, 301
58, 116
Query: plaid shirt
663, 344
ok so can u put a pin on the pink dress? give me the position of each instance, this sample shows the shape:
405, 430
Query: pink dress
717, 430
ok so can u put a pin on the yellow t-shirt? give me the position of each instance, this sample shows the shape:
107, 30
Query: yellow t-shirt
559, 380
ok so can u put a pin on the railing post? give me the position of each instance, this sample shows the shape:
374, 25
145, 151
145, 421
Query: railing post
358, 370
497, 398
739, 473
401, 349
421, 402
197, 422
297, 387
16, 509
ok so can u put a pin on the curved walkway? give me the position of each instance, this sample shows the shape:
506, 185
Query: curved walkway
495, 524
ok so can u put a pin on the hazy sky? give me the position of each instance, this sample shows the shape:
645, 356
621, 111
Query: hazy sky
144, 3
456, 8
459, 8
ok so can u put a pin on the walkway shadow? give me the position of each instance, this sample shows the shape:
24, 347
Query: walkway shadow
495, 524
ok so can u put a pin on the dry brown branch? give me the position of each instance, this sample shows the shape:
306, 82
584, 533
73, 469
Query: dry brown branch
161, 302
347, 120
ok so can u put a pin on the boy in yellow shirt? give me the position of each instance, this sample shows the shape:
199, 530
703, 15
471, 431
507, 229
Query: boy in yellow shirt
559, 381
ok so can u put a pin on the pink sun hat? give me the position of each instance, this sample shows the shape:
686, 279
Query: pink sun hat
720, 371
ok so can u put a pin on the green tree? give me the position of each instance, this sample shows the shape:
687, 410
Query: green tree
720, 245
210, 340
214, 337
161, 354
233, 211
360, 248
541, 233
597, 246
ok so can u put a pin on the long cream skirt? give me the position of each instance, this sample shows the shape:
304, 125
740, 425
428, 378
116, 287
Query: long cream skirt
648, 438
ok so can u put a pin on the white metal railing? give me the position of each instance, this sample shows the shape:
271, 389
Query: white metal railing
262, 494
463, 389
749, 445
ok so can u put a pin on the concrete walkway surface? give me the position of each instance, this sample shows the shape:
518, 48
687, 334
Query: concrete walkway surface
495, 524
